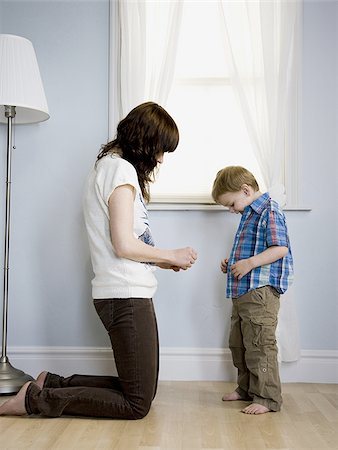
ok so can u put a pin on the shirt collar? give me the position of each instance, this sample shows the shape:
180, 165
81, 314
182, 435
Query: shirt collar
260, 203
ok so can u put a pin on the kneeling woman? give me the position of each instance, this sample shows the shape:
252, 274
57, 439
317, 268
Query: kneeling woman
124, 259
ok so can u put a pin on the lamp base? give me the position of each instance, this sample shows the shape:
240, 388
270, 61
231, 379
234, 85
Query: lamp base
11, 379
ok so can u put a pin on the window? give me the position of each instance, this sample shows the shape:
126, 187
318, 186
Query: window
236, 73
203, 104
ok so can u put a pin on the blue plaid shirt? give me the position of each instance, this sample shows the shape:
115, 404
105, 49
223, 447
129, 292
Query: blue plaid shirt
262, 225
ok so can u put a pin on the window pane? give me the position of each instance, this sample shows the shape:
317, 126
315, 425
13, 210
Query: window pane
201, 42
202, 101
212, 135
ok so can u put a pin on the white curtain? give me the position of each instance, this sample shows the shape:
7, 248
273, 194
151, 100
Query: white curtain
149, 32
262, 56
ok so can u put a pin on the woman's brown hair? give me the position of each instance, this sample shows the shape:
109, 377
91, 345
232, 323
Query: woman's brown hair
142, 136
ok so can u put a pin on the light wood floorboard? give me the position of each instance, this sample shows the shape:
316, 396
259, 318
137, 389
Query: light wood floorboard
190, 416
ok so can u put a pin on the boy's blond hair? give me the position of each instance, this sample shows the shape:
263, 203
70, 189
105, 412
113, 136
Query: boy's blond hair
231, 179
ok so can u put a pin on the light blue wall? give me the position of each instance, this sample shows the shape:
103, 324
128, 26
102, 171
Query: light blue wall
318, 264
50, 268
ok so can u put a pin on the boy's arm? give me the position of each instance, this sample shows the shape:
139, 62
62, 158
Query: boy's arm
268, 256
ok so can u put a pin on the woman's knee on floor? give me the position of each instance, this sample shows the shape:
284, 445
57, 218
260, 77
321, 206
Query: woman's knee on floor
141, 409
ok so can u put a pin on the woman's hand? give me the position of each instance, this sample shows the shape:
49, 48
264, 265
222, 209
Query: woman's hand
184, 258
224, 265
168, 267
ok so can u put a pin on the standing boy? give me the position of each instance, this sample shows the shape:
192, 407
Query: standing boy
259, 269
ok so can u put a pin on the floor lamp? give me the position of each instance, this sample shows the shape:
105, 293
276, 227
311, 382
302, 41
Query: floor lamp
22, 101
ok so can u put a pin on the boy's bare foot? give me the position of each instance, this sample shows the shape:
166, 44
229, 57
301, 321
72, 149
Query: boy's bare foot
16, 405
256, 408
40, 381
232, 397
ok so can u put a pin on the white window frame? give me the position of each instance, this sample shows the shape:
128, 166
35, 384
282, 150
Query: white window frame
292, 162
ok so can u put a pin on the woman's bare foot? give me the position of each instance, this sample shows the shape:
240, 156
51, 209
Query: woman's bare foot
231, 397
16, 405
256, 408
40, 381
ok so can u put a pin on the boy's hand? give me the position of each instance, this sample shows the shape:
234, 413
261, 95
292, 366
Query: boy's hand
224, 265
268, 256
241, 268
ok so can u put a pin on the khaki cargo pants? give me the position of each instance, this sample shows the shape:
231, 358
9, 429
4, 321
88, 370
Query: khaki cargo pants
253, 346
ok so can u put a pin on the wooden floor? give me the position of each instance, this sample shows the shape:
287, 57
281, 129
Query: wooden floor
191, 415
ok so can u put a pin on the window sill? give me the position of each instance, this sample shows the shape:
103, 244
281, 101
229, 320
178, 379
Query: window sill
166, 206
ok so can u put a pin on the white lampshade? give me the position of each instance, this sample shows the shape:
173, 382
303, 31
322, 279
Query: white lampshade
20, 81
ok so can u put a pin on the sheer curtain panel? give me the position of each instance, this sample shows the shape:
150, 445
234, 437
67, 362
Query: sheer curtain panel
147, 39
263, 57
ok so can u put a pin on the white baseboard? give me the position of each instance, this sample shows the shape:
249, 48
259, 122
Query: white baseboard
192, 364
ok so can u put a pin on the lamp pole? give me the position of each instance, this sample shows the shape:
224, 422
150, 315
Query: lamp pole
21, 97
11, 379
